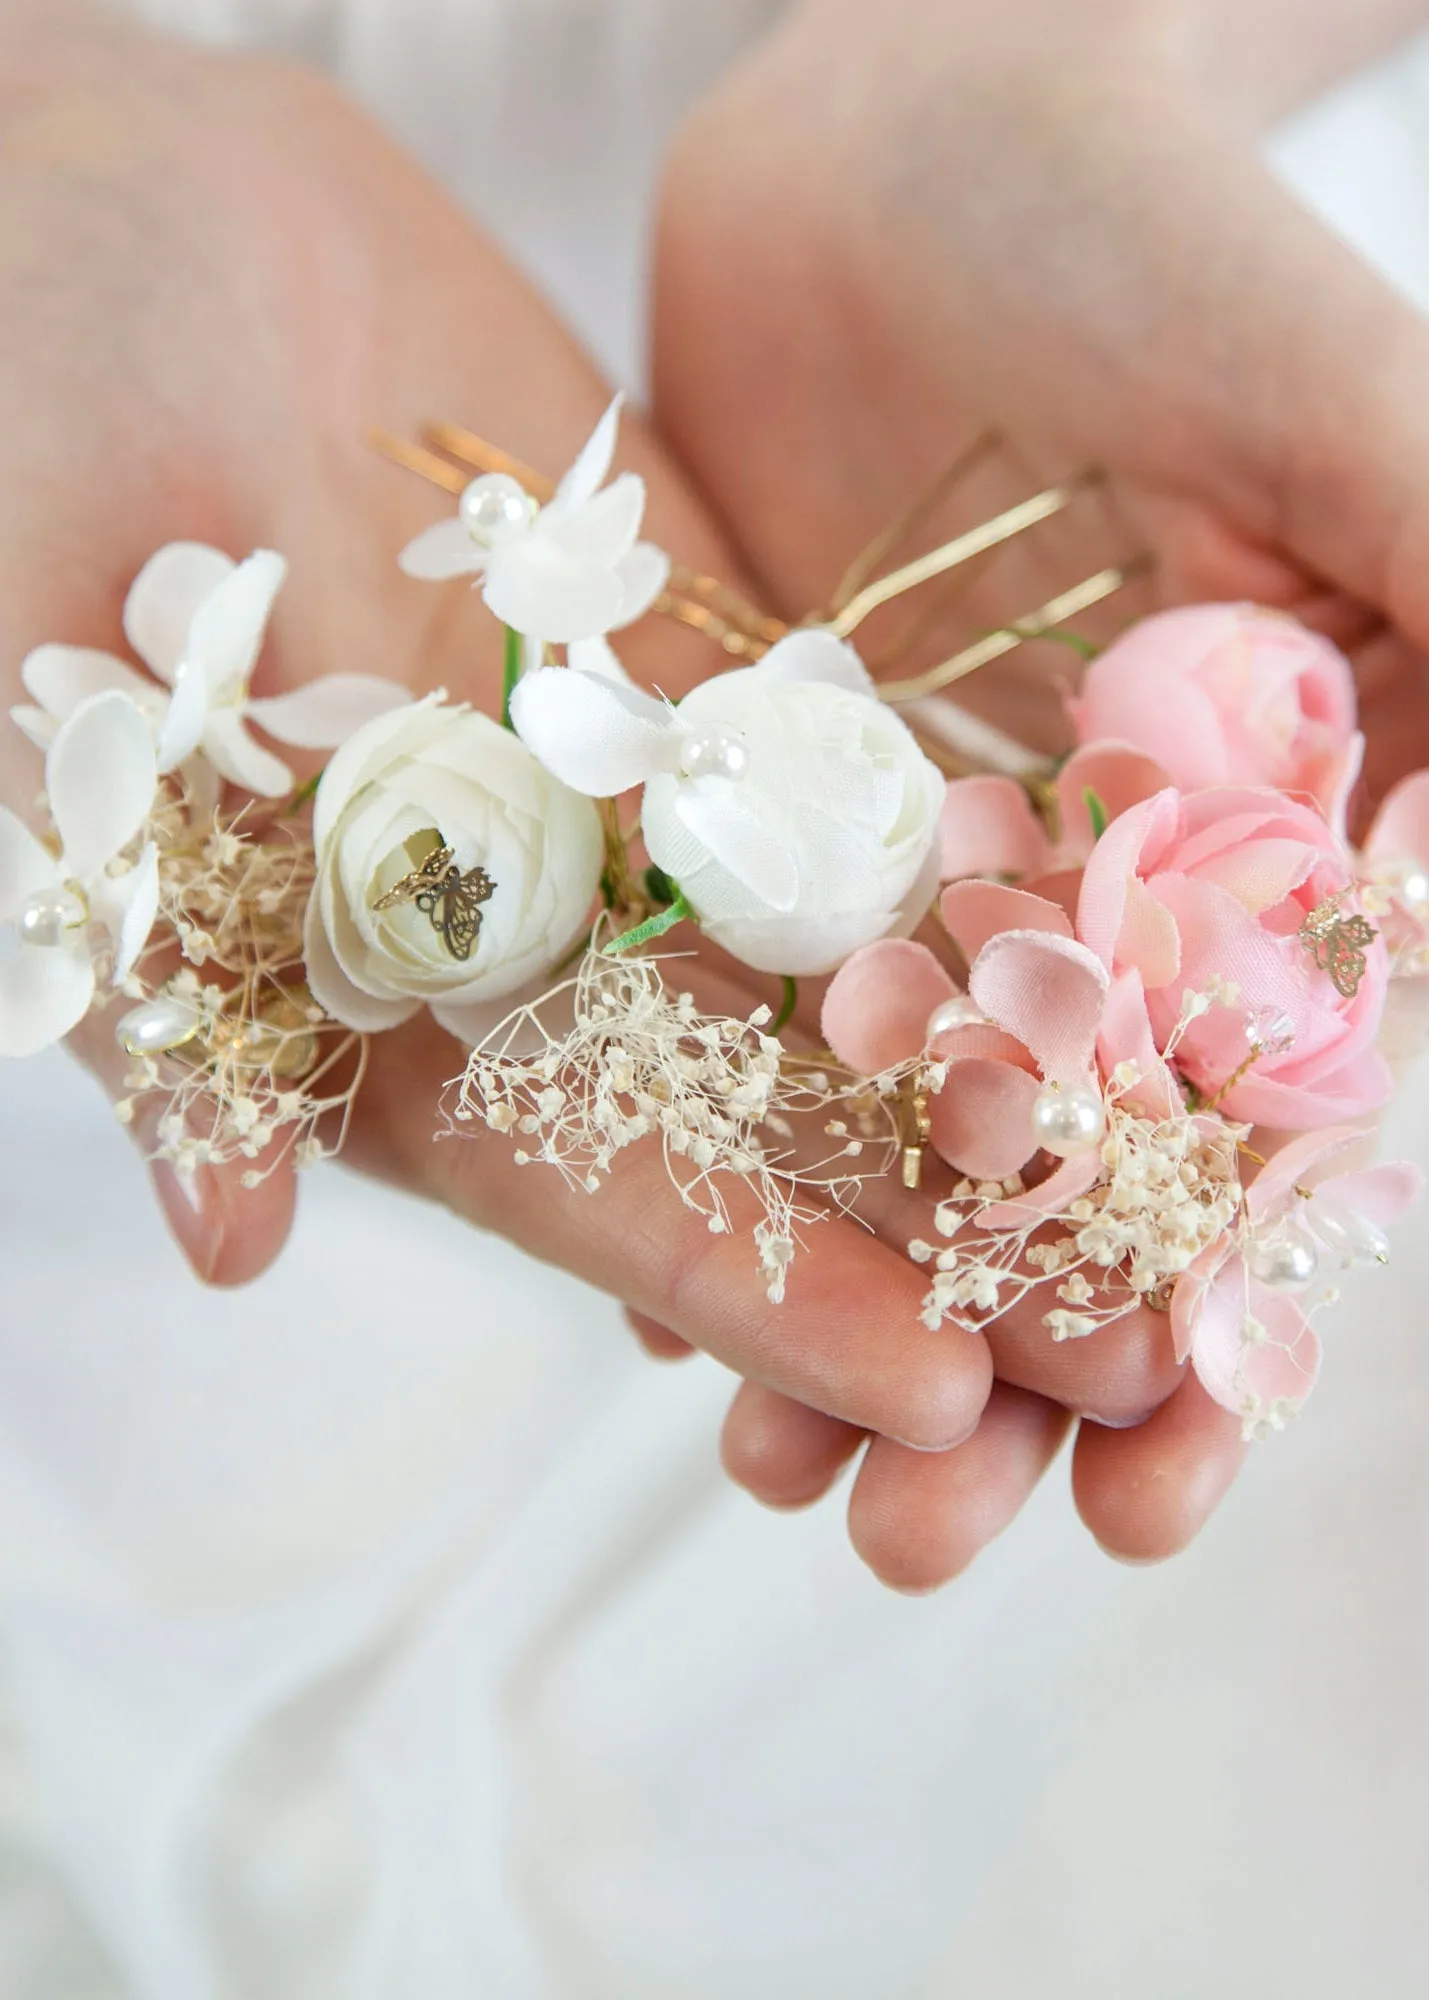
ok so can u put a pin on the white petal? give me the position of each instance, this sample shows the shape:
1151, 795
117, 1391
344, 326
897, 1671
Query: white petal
185, 718
592, 462
324, 713
728, 828
235, 756
35, 723
593, 734
132, 904
59, 678
604, 528
164, 597
539, 589
442, 551
643, 575
100, 775
336, 994
44, 992
811, 654
599, 657
25, 865
226, 635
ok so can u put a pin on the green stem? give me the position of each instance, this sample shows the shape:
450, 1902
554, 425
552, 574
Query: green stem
510, 672
790, 1002
653, 927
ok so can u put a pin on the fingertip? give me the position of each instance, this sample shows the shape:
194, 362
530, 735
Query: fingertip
784, 1454
1145, 1494
657, 1340
229, 1234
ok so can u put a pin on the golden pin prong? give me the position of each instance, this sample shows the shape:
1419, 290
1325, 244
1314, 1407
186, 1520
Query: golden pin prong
1081, 597
416, 459
482, 456
989, 535
911, 519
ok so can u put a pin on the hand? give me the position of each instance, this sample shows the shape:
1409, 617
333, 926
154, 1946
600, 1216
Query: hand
213, 275
1039, 222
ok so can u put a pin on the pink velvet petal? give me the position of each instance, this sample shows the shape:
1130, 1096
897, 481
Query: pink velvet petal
1120, 775
1126, 1037
876, 1010
977, 911
1189, 1297
1066, 1184
989, 827
1281, 1367
982, 1119
1101, 909
1401, 827
1046, 990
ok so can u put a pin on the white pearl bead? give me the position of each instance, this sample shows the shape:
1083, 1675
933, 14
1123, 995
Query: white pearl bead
1414, 889
714, 753
1286, 1261
1349, 1235
47, 916
1068, 1119
157, 1025
959, 1012
495, 509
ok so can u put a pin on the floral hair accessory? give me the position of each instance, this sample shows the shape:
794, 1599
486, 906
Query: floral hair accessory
1129, 1063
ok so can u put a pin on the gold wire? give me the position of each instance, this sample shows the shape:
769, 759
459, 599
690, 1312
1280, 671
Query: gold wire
989, 535
469, 449
911, 519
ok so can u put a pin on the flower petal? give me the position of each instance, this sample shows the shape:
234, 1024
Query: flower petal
44, 992
59, 678
643, 574
1120, 776
34, 723
812, 654
164, 598
598, 657
537, 587
236, 756
592, 462
593, 734
100, 775
445, 549
336, 994
322, 714
1046, 991
132, 905
25, 865
715, 812
185, 718
1064, 1185
989, 827
1248, 1376
982, 1119
977, 911
1401, 826
603, 528
226, 635
876, 1010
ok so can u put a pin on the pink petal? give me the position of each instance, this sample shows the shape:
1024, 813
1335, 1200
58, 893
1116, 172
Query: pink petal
1047, 991
977, 911
1066, 1184
1126, 1036
1188, 1299
1237, 1374
982, 1119
1401, 827
876, 1010
989, 827
1358, 1087
1149, 941
1120, 775
1106, 881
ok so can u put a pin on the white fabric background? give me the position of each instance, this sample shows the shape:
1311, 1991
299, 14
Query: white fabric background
356, 1650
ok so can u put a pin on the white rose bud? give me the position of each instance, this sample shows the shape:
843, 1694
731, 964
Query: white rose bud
793, 807
383, 939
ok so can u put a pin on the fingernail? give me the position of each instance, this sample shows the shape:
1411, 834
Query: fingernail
1120, 1422
191, 1213
1131, 1562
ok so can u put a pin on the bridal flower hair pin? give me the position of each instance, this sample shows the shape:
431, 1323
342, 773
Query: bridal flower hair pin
1114, 1024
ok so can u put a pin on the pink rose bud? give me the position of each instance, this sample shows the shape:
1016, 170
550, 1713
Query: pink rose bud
1227, 694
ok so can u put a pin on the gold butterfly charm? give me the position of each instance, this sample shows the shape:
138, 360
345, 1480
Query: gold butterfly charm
450, 899
1337, 944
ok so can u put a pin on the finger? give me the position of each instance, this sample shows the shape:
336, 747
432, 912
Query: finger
919, 1518
782, 1452
847, 1339
1145, 1494
657, 1340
